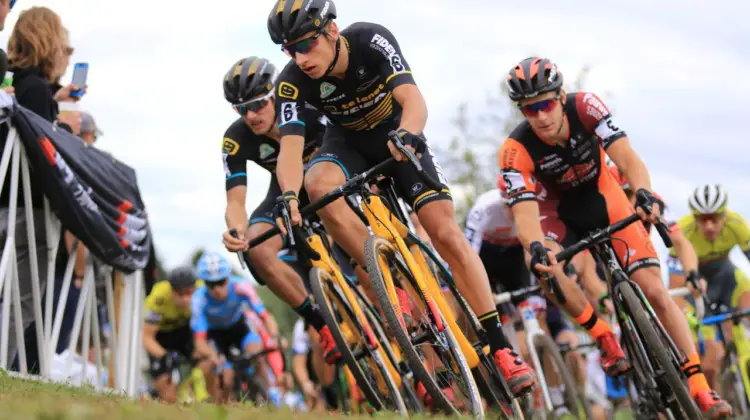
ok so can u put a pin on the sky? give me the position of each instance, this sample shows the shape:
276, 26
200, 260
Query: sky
675, 72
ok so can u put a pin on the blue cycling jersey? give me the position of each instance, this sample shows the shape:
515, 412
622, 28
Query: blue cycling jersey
209, 313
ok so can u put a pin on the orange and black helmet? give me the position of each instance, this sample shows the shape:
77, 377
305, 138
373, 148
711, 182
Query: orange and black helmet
533, 76
291, 19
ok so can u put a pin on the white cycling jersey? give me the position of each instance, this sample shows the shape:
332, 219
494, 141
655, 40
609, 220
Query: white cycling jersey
490, 221
300, 339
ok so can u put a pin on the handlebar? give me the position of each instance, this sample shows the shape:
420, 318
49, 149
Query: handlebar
360, 179
517, 295
603, 235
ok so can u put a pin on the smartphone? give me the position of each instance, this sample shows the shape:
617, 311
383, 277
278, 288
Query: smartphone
80, 73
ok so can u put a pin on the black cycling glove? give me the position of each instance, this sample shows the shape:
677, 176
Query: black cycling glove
538, 256
413, 140
645, 199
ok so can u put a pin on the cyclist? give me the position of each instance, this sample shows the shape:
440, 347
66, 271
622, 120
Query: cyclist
359, 78
561, 145
714, 230
167, 331
315, 378
218, 314
254, 136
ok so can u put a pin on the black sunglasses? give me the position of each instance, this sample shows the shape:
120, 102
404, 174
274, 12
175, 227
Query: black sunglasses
302, 46
215, 284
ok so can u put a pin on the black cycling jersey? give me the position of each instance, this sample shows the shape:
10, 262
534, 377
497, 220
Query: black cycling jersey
363, 99
242, 145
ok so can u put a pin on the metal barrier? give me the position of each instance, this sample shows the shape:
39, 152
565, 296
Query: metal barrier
124, 292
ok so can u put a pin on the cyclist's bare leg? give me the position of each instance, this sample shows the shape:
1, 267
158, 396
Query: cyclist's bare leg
166, 389
227, 382
574, 359
283, 281
339, 220
210, 378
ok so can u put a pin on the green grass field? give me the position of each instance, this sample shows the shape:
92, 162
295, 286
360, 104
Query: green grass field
27, 400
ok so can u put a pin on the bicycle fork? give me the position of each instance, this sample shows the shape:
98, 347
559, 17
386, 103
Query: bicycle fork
532, 328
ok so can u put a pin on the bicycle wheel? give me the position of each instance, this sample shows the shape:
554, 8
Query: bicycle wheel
658, 351
366, 365
492, 385
575, 403
731, 384
385, 264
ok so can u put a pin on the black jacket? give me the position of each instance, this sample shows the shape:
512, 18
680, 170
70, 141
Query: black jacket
35, 93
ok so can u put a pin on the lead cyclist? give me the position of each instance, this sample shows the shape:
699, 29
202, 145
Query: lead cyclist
359, 78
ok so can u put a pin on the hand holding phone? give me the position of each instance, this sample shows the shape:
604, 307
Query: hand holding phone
80, 73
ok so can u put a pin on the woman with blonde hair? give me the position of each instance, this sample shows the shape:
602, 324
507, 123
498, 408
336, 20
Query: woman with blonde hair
38, 55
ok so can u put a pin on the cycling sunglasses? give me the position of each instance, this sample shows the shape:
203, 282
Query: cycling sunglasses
215, 284
12, 3
547, 105
253, 105
303, 46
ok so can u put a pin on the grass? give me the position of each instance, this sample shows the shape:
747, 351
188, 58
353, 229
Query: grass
30, 400
26, 400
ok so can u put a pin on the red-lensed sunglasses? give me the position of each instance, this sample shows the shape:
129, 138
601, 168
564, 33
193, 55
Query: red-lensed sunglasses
303, 46
547, 105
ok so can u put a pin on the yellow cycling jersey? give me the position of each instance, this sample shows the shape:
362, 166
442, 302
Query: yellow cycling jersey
161, 309
736, 232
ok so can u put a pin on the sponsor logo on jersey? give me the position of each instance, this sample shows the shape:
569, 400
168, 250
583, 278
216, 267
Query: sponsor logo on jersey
265, 150
230, 146
416, 188
382, 44
288, 90
594, 106
361, 72
326, 89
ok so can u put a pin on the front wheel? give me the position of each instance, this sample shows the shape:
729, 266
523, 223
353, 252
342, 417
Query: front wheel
731, 383
658, 351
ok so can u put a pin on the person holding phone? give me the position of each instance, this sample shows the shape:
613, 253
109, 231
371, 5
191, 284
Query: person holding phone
38, 55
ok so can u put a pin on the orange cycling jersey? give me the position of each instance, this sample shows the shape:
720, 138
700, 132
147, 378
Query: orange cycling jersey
580, 193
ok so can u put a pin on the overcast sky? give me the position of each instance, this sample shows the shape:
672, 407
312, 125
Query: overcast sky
675, 71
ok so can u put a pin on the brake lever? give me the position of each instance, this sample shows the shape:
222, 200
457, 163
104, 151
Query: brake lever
288, 225
240, 254
396, 139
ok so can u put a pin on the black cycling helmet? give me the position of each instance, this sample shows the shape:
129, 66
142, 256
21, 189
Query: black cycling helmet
248, 78
182, 277
290, 19
533, 76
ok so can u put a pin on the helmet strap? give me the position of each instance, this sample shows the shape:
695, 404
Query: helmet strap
335, 57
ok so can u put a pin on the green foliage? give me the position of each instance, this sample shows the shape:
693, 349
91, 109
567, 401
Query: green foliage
470, 160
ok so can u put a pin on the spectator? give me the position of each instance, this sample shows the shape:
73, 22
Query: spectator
5, 6
38, 55
89, 130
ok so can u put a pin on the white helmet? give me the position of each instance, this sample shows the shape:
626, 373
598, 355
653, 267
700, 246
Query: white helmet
708, 199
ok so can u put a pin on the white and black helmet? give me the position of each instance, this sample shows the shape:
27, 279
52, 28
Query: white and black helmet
708, 199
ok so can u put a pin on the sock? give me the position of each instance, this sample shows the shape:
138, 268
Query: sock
595, 326
696, 379
491, 323
310, 314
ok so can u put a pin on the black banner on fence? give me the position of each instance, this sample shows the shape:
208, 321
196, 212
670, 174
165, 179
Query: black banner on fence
94, 195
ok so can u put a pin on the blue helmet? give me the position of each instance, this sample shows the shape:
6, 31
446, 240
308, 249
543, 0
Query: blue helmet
212, 266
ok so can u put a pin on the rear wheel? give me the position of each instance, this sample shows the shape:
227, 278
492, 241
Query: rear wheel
423, 343
732, 386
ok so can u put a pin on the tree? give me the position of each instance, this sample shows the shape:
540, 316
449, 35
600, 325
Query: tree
470, 160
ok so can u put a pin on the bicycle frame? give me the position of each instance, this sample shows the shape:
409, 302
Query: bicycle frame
739, 337
532, 328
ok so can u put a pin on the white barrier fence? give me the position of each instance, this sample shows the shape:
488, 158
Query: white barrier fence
123, 313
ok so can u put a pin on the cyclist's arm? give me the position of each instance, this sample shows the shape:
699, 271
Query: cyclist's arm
386, 51
149, 341
236, 214
630, 164
270, 322
684, 250
517, 168
475, 225
250, 296
414, 117
290, 105
743, 236
199, 325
